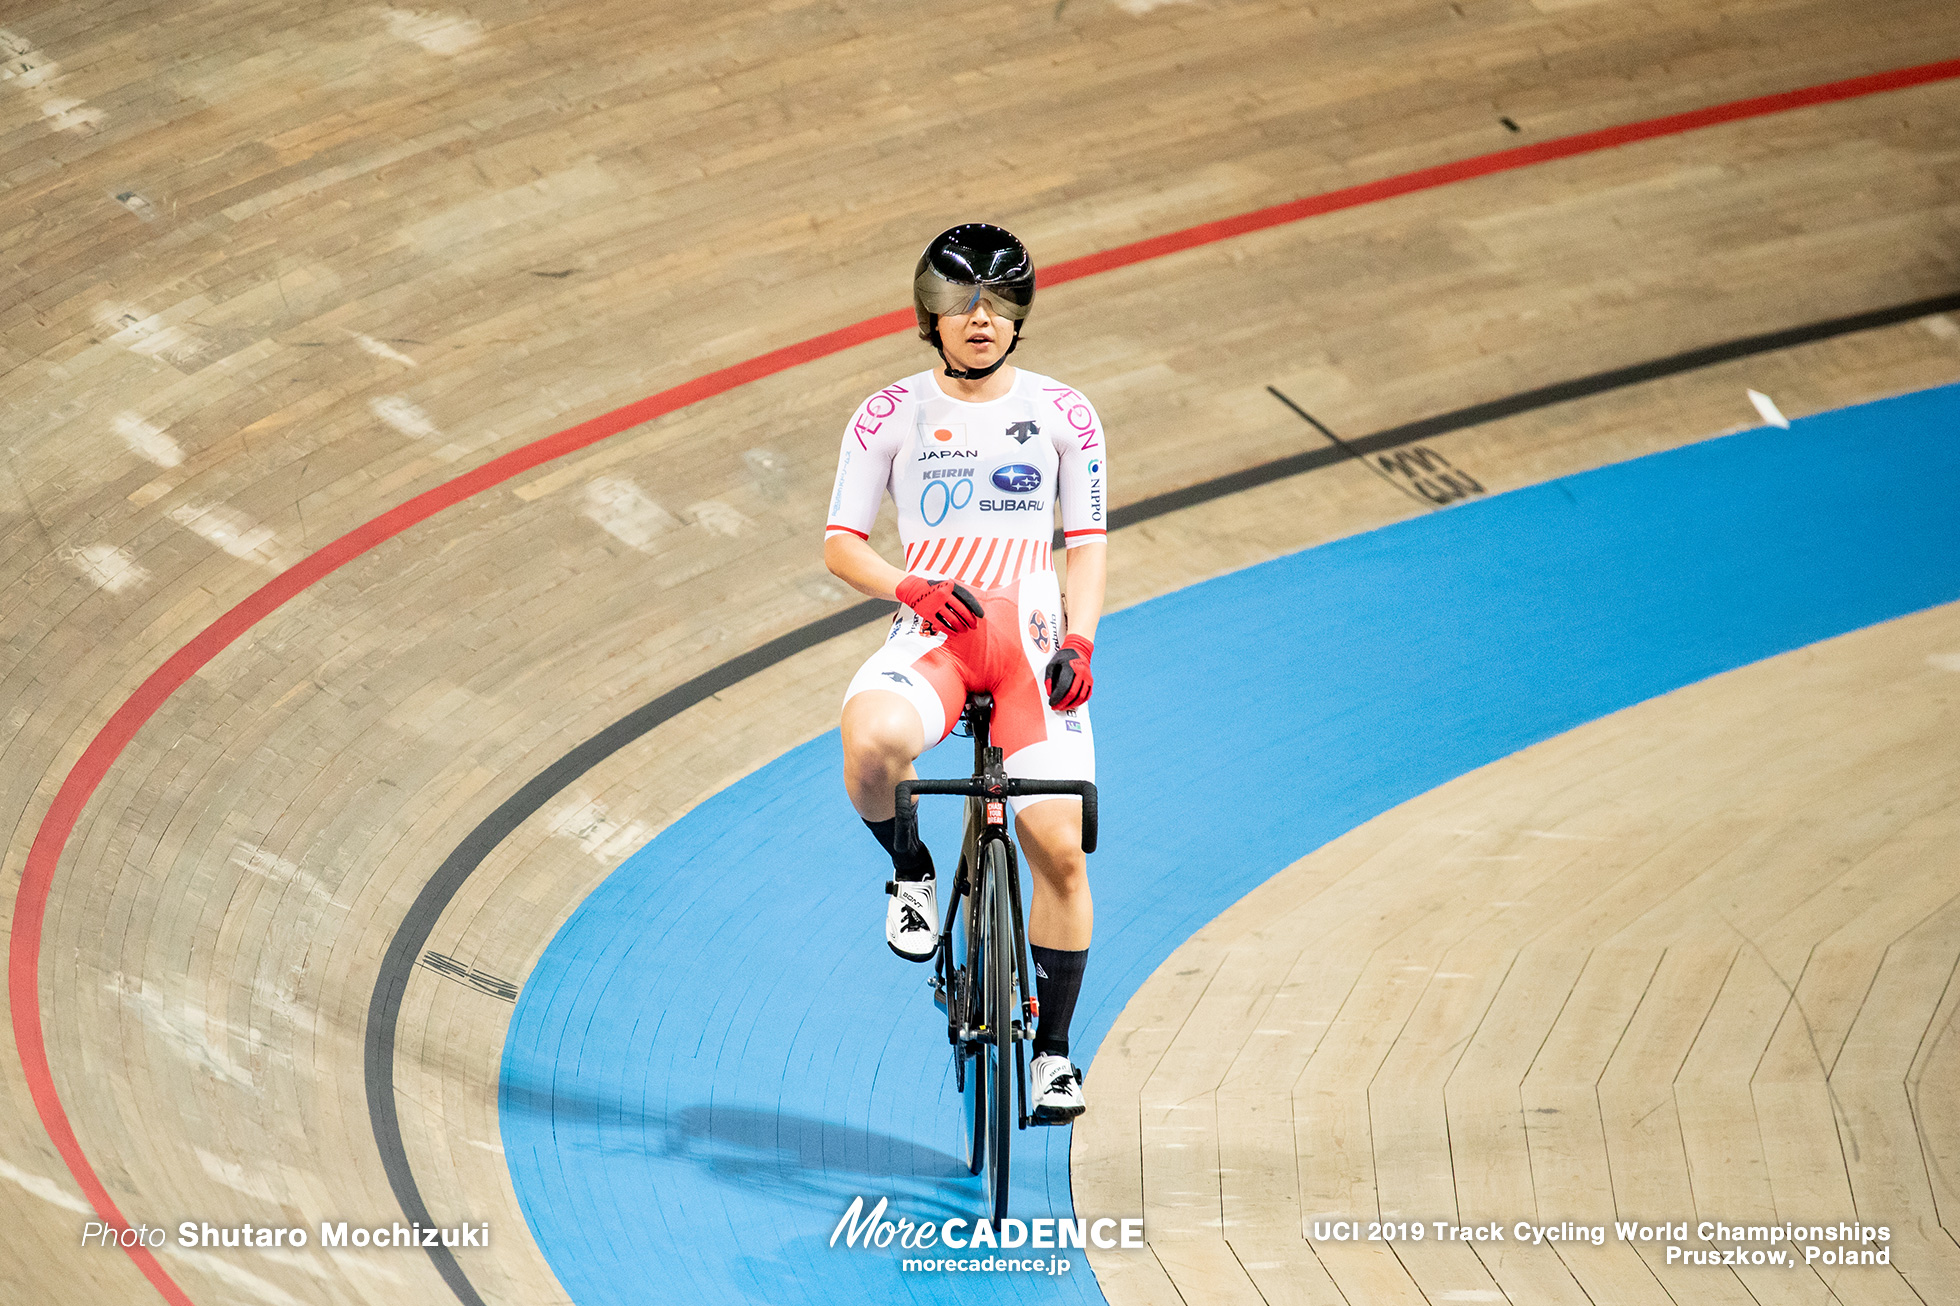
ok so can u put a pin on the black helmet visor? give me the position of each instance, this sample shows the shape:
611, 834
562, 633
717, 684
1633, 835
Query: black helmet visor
951, 299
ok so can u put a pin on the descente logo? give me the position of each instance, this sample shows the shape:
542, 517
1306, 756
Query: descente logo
870, 1229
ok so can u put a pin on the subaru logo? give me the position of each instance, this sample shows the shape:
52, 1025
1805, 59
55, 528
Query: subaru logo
1018, 478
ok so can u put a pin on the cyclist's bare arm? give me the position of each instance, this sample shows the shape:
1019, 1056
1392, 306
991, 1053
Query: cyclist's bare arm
1082, 596
858, 565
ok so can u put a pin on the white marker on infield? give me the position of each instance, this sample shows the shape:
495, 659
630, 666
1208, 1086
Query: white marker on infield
138, 205
146, 333
237, 1178
404, 416
235, 533
434, 32
1767, 407
107, 566
597, 833
623, 510
370, 345
182, 1022
269, 865
45, 1189
719, 517
147, 440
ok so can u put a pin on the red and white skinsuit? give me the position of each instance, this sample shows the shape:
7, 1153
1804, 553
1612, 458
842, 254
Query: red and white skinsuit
976, 487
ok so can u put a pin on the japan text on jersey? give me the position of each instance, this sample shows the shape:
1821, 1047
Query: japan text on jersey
976, 485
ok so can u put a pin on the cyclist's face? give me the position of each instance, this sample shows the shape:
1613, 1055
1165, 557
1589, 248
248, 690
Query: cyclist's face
977, 339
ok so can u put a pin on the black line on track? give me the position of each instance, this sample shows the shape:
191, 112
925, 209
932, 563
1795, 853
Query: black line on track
1350, 450
405, 948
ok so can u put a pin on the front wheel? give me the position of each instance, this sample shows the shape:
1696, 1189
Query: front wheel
994, 1065
971, 1062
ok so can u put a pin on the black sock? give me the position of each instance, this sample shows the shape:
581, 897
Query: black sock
1057, 978
917, 867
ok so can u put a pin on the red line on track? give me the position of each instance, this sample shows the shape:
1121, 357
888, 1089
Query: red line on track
37, 879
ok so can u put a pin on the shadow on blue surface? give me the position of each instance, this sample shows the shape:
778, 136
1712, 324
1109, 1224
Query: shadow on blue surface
740, 1144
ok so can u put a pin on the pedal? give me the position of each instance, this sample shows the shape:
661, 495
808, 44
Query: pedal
938, 987
891, 886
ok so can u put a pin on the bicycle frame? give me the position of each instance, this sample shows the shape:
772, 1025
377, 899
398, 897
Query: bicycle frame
986, 822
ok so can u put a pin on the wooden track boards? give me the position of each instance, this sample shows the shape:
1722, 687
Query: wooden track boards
1688, 962
273, 271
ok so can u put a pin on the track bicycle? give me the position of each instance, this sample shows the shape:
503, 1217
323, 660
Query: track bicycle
982, 979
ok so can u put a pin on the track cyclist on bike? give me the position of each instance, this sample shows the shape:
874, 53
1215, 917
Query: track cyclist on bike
976, 456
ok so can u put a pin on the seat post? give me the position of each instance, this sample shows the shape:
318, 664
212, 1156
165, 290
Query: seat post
979, 722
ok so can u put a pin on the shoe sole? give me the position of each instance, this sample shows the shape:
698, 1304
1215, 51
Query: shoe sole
1043, 1115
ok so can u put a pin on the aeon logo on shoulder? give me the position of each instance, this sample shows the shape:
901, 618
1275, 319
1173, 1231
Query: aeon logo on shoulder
1018, 478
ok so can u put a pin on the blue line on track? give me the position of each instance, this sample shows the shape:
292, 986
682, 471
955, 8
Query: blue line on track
716, 1053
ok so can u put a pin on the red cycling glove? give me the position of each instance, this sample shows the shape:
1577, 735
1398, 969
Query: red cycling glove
947, 605
1068, 678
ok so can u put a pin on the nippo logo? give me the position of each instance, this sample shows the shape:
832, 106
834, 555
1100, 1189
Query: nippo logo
1018, 478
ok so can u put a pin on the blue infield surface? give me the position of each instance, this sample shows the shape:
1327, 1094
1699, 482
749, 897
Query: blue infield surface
717, 1053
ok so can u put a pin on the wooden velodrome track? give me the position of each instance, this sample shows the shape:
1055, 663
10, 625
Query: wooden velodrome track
273, 271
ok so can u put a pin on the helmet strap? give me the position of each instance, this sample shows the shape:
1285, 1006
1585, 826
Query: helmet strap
973, 373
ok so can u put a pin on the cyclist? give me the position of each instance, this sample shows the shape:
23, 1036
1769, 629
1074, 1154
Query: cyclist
976, 456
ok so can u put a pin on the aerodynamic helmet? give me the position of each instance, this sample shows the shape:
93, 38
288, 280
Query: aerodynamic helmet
964, 265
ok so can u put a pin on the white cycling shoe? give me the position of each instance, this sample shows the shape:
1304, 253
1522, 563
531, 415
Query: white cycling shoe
1057, 1091
912, 918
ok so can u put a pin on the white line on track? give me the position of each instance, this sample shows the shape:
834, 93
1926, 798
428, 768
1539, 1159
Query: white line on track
1767, 407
